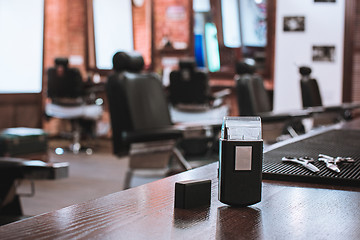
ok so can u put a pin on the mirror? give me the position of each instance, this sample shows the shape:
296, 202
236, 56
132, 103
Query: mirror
242, 32
109, 21
21, 26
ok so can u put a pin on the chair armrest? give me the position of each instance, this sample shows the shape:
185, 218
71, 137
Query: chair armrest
33, 169
152, 135
215, 123
217, 98
221, 94
268, 117
283, 116
333, 108
350, 106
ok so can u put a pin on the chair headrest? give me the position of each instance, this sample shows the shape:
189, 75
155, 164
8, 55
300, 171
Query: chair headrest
128, 61
244, 68
305, 71
61, 61
187, 63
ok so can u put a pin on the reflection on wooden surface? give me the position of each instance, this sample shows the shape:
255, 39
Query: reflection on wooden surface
288, 210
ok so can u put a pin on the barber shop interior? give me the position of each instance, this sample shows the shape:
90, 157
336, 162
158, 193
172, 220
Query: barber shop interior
179, 119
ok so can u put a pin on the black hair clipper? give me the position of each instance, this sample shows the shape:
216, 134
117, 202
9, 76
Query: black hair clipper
240, 165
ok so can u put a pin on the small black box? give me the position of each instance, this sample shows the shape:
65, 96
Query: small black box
192, 193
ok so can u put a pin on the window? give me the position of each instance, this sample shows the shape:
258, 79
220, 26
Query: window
21, 46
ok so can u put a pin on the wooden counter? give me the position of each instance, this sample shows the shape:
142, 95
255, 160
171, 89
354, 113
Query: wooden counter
288, 210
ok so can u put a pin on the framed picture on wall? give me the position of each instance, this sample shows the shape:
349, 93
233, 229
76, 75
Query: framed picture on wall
323, 53
294, 24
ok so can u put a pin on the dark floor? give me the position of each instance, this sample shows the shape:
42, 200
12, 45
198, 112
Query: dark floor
90, 177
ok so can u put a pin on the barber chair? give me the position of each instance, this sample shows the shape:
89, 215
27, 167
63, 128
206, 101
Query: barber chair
15, 169
140, 118
68, 101
189, 85
191, 100
312, 101
310, 91
254, 100
189, 88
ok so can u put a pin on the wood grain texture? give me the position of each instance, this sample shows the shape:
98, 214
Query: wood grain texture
287, 211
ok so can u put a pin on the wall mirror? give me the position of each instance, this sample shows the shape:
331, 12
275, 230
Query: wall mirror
21, 26
228, 30
110, 29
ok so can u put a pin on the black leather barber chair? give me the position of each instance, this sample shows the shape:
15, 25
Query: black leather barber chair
310, 91
15, 169
254, 100
252, 96
65, 89
191, 100
140, 118
312, 101
65, 85
189, 88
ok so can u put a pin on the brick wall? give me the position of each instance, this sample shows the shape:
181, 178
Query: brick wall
65, 36
65, 28
172, 20
142, 30
65, 31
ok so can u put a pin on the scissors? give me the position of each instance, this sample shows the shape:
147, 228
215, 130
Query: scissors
331, 162
303, 161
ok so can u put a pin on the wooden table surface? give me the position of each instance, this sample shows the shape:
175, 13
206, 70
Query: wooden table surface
288, 210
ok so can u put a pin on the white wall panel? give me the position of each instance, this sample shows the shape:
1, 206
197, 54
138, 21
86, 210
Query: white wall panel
324, 25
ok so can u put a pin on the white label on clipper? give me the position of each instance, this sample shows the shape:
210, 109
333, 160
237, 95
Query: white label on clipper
243, 157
